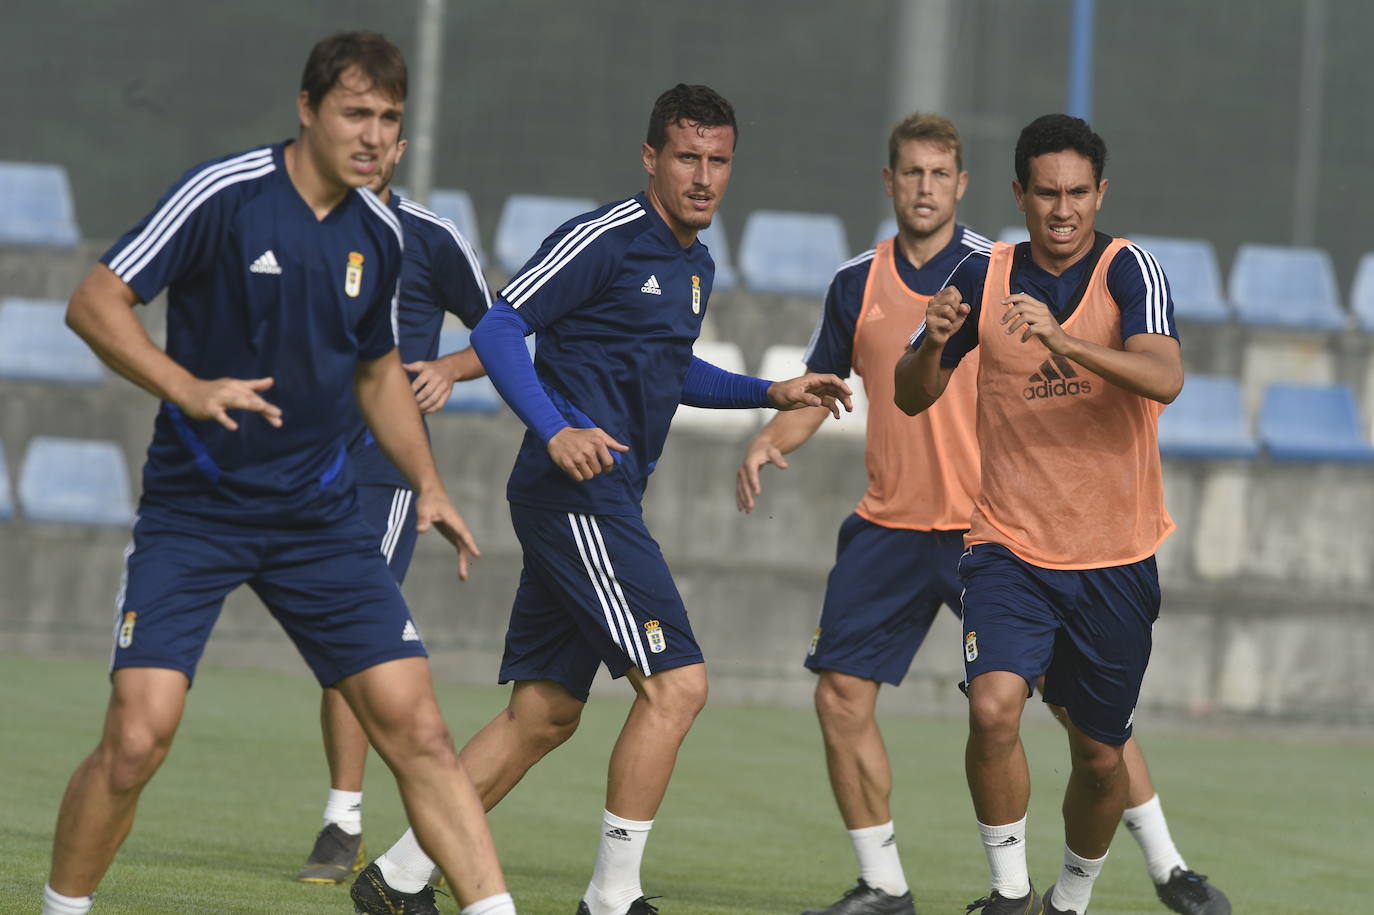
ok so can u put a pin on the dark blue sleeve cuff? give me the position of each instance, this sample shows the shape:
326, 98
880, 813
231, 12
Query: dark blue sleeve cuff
707, 385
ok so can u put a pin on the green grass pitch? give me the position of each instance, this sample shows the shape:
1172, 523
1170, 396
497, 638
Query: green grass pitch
1280, 821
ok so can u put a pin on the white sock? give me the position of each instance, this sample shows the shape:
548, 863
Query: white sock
879, 865
1074, 887
1151, 830
502, 904
54, 903
346, 809
1006, 851
615, 881
405, 867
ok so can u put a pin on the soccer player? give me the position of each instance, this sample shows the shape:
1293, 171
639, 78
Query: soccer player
439, 274
1078, 353
897, 559
617, 297
281, 270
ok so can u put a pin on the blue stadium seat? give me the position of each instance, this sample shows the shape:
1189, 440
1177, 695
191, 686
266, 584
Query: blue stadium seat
78, 481
1194, 277
1207, 421
35, 343
713, 237
526, 220
886, 229
1362, 294
6, 497
36, 206
1295, 288
789, 253
1312, 423
477, 395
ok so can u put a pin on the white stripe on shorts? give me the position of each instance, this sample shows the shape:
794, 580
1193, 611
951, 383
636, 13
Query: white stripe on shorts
597, 561
400, 505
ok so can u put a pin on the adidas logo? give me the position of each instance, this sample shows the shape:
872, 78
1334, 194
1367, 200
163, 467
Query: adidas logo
615, 832
1056, 378
1008, 842
266, 263
652, 287
1075, 870
890, 841
410, 633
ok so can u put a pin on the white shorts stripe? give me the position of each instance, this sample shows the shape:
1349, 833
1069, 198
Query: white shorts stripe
612, 619
395, 524
635, 638
123, 592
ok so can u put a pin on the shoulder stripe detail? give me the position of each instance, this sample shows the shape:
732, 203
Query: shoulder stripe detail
975, 241
857, 260
1156, 304
173, 214
382, 210
956, 270
464, 245
518, 291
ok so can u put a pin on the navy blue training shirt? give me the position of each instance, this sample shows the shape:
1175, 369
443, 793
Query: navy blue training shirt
440, 275
616, 304
832, 343
258, 287
1134, 278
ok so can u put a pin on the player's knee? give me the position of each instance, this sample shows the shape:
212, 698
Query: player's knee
680, 693
841, 705
548, 730
421, 736
1098, 763
131, 757
994, 718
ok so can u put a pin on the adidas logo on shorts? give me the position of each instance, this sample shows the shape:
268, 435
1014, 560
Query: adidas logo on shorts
410, 633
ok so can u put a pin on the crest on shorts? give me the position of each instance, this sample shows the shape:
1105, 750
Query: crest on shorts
815, 640
696, 295
126, 629
654, 630
971, 646
353, 274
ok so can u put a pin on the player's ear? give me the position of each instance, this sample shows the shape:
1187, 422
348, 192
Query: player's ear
304, 112
650, 157
1019, 193
1101, 192
401, 149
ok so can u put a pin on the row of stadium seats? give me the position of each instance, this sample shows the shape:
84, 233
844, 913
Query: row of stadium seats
69, 480
791, 253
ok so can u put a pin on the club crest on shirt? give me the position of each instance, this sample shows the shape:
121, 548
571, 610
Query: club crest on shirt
126, 629
654, 630
353, 275
971, 647
696, 295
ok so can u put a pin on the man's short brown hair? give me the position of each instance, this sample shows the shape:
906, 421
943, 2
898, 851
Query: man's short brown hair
372, 53
928, 128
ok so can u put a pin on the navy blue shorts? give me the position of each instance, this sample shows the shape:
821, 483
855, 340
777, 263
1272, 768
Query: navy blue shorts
1088, 631
595, 590
390, 510
882, 596
328, 587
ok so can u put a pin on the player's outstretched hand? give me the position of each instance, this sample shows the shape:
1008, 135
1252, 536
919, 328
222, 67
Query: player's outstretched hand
747, 485
1033, 319
811, 390
433, 509
432, 385
583, 453
945, 314
214, 399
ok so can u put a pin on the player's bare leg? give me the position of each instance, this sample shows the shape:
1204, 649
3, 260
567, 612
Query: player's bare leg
146, 704
541, 715
1093, 802
642, 762
339, 848
395, 703
855, 755
861, 779
999, 783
